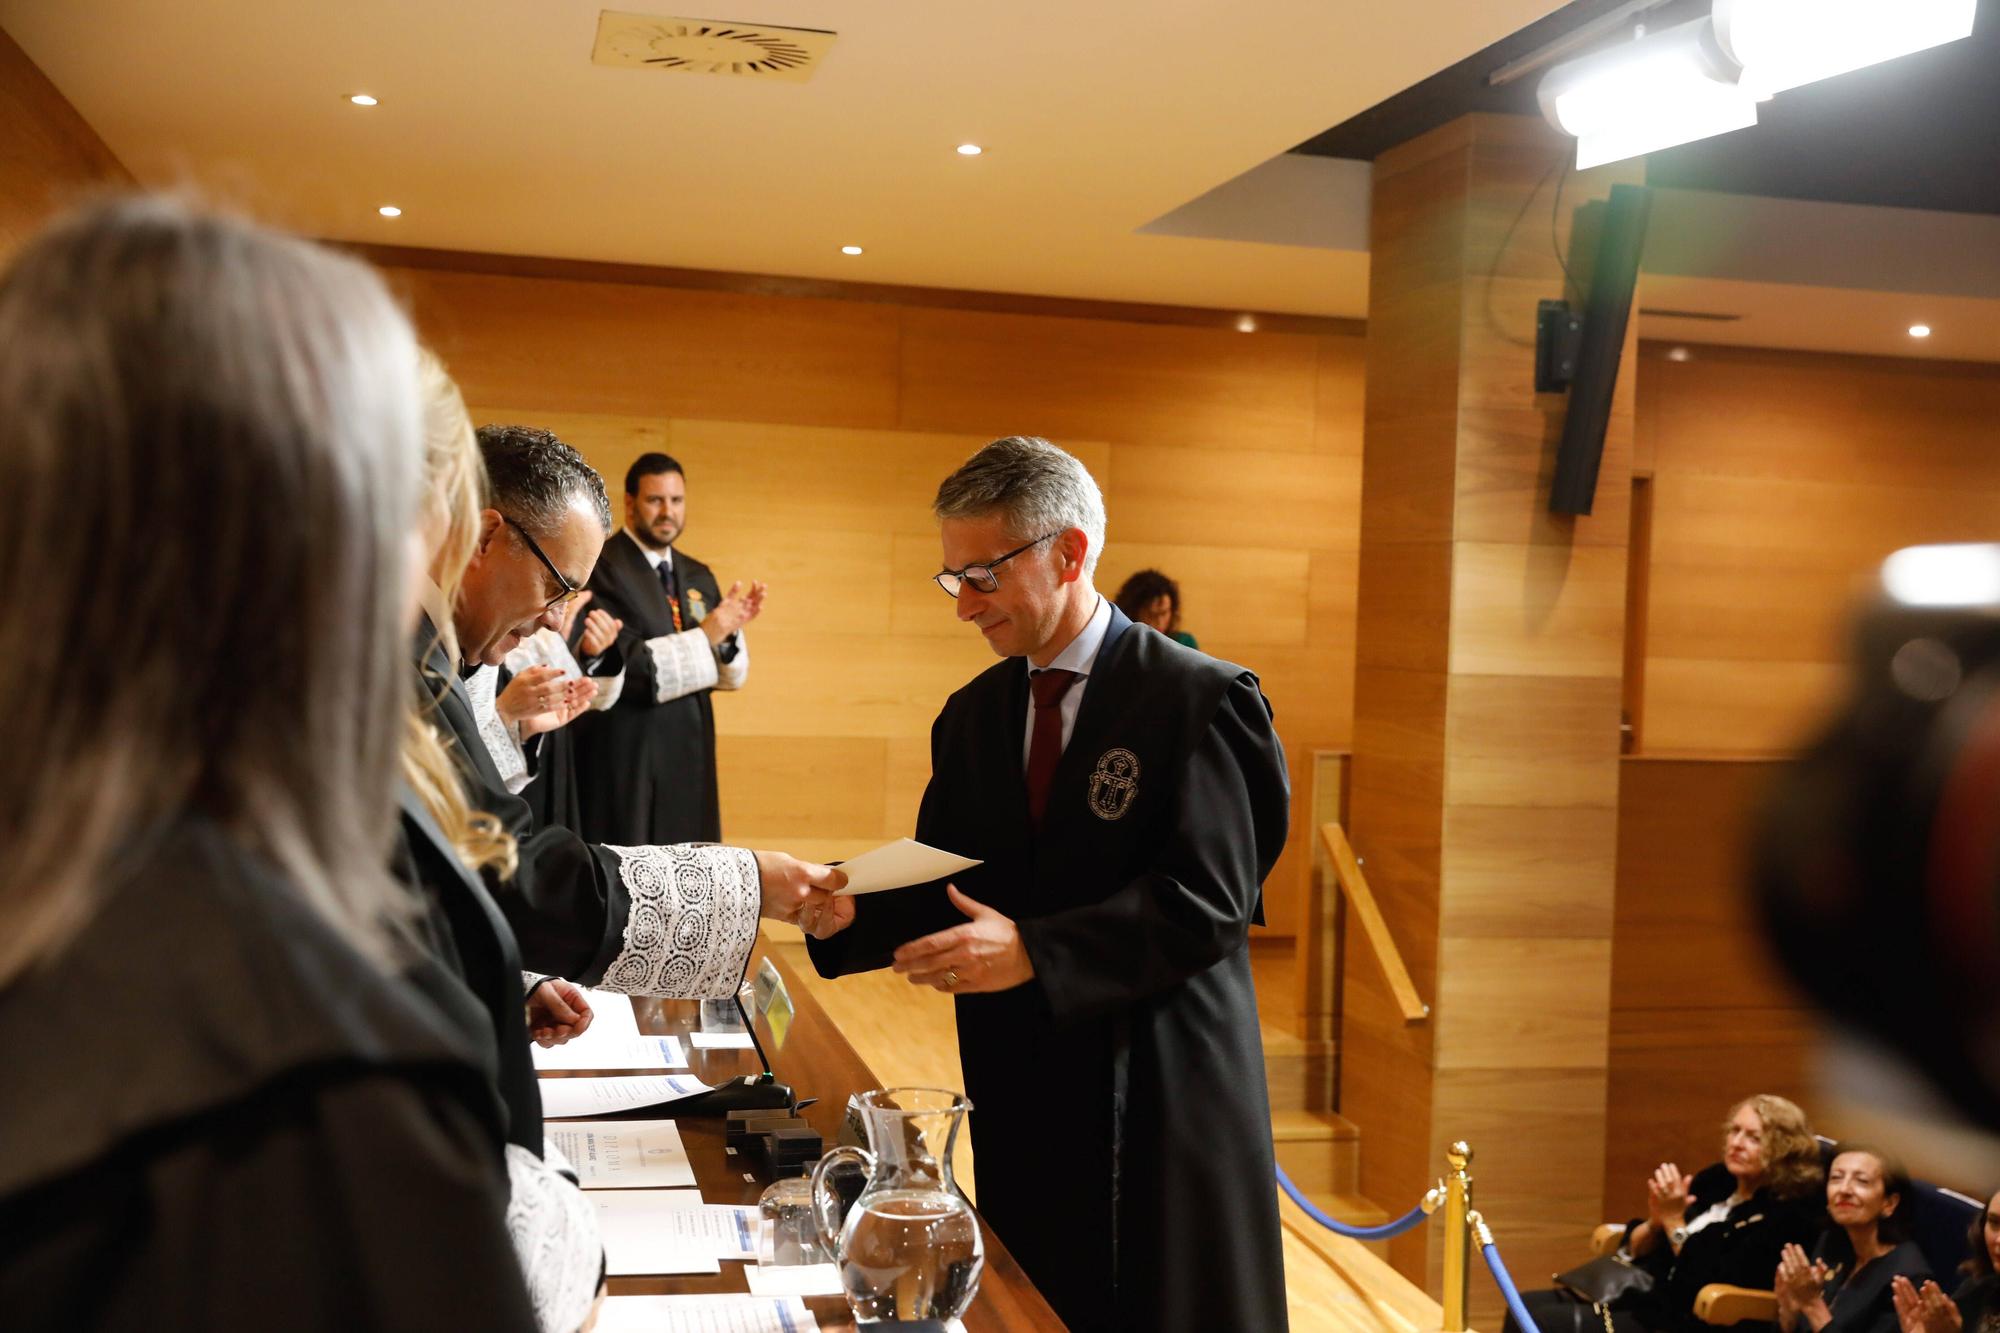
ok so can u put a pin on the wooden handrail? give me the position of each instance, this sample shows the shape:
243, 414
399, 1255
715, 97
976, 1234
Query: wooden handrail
1347, 873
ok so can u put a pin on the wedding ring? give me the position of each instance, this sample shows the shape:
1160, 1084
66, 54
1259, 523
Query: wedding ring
950, 980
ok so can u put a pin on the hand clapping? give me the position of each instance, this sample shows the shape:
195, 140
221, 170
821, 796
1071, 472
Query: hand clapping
1925, 1311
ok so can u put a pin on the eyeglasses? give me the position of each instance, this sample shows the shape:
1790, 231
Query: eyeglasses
982, 577
570, 591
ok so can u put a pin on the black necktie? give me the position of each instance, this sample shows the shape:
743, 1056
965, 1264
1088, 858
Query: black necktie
672, 589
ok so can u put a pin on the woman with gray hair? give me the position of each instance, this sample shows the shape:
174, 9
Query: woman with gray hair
223, 1109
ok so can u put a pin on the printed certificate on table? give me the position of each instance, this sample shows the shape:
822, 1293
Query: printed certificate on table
576, 1098
612, 1052
705, 1314
624, 1154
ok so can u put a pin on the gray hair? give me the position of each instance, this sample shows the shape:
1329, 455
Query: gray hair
1035, 486
224, 639
534, 478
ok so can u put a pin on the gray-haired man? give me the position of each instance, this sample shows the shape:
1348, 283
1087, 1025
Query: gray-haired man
1127, 797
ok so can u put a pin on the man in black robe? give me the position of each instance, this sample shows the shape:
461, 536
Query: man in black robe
647, 919
646, 765
1126, 796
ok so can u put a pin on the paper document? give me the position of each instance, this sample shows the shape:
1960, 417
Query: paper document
794, 1280
670, 1231
705, 1314
573, 1098
591, 1052
721, 1041
624, 1154
899, 864
610, 1015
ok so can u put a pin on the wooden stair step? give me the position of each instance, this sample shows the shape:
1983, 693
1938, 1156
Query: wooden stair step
1298, 1073
1320, 1151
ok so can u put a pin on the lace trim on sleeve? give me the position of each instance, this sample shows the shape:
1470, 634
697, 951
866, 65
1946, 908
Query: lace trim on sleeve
692, 924
554, 1230
682, 664
508, 757
730, 675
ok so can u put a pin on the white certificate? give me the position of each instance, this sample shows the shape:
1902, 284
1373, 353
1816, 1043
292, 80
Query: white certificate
624, 1154
705, 1314
670, 1231
610, 1015
592, 1052
899, 864
794, 1279
573, 1098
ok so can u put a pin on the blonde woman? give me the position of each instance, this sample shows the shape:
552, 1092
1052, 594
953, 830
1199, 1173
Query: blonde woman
224, 1110
476, 973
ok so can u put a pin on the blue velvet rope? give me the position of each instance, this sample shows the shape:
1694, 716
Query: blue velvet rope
1505, 1281
1383, 1232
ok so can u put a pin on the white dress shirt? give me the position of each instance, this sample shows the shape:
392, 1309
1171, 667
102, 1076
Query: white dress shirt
1079, 657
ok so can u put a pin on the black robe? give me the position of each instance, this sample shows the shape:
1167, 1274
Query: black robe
646, 770
552, 793
474, 947
566, 903
218, 1115
1120, 1115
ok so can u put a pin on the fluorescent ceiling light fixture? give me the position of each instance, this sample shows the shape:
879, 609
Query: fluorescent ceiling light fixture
390, 211
850, 249
1784, 43
1966, 574
970, 150
362, 99
1667, 88
1920, 330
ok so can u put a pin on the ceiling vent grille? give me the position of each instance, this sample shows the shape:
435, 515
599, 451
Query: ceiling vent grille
709, 46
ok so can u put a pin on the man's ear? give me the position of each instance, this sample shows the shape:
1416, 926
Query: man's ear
490, 524
1074, 544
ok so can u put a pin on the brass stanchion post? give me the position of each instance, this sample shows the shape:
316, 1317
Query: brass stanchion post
1457, 1237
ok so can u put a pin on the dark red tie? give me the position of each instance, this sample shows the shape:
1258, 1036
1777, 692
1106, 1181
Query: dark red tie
1045, 746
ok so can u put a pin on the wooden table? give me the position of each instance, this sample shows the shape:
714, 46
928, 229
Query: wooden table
817, 1061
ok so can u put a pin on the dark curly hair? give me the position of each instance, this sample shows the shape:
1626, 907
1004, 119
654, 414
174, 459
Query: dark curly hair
533, 478
1139, 592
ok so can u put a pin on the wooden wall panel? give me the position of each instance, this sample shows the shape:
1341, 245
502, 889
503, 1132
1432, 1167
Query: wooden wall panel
1700, 1016
1091, 379
1780, 481
49, 157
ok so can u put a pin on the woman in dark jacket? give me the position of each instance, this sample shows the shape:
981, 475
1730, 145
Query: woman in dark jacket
1975, 1306
1845, 1287
1728, 1223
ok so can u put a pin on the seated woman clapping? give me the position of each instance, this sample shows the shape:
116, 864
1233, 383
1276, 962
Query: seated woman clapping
1975, 1306
1727, 1223
1845, 1284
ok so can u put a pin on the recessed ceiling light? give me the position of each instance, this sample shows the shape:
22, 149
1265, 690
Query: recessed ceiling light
1679, 354
1920, 330
970, 150
362, 99
1246, 323
850, 249
390, 211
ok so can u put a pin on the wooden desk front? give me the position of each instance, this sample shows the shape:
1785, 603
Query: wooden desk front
817, 1061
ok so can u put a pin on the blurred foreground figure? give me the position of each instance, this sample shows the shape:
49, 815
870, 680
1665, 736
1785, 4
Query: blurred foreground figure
224, 1109
1878, 865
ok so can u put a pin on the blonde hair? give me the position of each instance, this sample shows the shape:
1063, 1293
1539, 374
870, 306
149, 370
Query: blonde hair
456, 482
1791, 1153
224, 640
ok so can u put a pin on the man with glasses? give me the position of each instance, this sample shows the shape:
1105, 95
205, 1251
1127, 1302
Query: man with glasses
647, 920
1126, 796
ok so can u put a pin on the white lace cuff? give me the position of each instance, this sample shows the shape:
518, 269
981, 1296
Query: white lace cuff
682, 664
608, 690
501, 741
554, 1230
730, 675
692, 920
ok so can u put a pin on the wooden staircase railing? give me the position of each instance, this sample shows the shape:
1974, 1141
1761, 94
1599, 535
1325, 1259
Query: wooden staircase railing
1368, 913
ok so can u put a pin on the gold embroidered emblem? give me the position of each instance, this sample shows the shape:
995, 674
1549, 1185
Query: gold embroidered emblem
697, 605
1114, 784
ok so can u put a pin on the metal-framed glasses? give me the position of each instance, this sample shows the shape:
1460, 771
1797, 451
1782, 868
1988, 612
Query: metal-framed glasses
982, 577
570, 591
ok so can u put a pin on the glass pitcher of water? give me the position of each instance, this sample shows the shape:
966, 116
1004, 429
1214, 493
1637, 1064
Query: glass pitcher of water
909, 1247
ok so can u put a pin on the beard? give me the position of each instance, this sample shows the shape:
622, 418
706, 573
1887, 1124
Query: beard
661, 534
